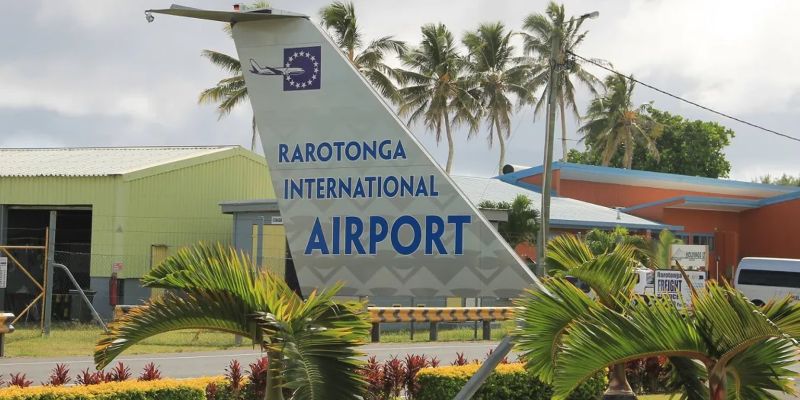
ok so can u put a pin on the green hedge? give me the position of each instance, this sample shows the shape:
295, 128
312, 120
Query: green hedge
167, 389
508, 382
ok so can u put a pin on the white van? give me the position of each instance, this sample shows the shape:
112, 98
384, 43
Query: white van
763, 279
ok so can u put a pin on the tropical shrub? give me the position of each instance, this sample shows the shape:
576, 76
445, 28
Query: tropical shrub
59, 376
19, 380
150, 373
166, 389
311, 343
507, 382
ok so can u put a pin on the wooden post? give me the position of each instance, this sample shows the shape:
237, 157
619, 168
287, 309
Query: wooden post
487, 330
376, 332
434, 331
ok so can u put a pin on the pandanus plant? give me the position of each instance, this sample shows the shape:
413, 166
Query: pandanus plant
311, 344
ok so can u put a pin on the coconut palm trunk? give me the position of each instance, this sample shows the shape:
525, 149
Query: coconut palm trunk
255, 133
449, 133
618, 386
273, 390
502, 142
564, 148
716, 384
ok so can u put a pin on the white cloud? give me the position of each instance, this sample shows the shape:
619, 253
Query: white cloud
737, 55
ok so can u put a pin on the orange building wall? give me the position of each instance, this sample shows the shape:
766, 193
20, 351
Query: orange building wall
772, 231
724, 225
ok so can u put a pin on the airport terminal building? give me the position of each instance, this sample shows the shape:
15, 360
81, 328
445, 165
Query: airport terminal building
735, 219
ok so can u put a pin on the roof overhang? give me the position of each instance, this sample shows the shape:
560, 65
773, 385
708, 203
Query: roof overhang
620, 176
573, 224
234, 207
725, 204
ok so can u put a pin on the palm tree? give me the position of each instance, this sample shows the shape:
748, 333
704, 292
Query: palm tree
741, 351
340, 19
561, 321
499, 75
539, 32
228, 92
231, 91
609, 274
310, 344
600, 241
613, 121
435, 89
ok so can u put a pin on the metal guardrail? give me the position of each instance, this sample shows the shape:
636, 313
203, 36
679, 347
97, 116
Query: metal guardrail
432, 315
5, 327
435, 315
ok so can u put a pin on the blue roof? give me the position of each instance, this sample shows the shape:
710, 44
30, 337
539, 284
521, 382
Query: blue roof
565, 212
596, 173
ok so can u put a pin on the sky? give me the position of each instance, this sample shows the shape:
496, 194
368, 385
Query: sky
95, 73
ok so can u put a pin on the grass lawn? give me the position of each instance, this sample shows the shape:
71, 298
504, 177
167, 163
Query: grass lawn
79, 340
654, 397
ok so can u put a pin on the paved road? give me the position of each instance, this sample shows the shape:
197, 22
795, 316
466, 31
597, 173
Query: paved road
186, 365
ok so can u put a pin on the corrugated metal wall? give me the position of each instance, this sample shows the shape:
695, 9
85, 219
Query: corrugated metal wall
174, 208
181, 207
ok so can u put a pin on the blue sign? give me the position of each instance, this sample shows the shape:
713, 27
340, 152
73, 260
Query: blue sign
301, 69
307, 60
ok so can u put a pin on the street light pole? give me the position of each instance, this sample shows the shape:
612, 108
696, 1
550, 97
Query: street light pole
557, 62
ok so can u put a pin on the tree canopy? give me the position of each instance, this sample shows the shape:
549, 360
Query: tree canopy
785, 180
686, 147
523, 220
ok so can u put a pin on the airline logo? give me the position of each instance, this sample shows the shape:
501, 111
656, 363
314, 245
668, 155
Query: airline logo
301, 70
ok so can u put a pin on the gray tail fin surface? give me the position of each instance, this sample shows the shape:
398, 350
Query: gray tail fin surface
363, 203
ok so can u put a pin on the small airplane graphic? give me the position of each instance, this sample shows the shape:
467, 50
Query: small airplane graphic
258, 69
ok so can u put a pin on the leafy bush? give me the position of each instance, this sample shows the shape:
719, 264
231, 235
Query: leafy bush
167, 389
508, 382
19, 380
119, 373
150, 373
59, 376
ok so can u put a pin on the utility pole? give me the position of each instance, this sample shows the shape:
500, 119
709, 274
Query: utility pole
48, 277
556, 60
557, 63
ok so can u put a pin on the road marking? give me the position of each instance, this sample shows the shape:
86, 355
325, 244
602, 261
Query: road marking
430, 347
144, 357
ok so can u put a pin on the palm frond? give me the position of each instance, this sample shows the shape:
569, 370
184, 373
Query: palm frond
198, 310
567, 252
761, 368
224, 61
547, 315
605, 337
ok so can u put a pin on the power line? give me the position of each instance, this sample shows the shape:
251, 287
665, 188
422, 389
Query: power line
686, 100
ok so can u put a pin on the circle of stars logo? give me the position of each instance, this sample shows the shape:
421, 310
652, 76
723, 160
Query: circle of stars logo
303, 80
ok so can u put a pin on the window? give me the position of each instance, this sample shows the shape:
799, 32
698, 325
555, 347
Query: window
769, 278
706, 239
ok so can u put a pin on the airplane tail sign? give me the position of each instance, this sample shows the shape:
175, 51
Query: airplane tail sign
362, 202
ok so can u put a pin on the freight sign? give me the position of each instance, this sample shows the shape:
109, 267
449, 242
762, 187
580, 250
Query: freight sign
671, 283
690, 256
